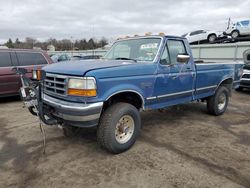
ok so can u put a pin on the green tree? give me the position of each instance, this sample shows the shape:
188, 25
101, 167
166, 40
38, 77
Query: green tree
17, 43
9, 43
91, 44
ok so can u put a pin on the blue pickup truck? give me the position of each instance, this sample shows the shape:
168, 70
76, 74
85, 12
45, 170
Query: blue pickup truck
137, 74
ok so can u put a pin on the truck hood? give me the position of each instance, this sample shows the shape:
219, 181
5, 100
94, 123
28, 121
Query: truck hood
80, 67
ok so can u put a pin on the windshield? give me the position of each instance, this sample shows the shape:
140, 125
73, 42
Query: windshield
142, 49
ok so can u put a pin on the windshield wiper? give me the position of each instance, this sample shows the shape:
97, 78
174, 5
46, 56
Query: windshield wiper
125, 58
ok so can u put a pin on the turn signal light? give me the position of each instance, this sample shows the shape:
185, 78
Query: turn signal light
82, 92
148, 34
37, 74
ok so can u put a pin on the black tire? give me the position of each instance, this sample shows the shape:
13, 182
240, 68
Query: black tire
70, 131
106, 132
239, 89
33, 110
211, 38
235, 34
213, 102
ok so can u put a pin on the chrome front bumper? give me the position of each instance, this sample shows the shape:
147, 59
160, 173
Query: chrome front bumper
78, 114
245, 79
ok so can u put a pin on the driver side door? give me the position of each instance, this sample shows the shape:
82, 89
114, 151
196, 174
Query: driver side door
175, 80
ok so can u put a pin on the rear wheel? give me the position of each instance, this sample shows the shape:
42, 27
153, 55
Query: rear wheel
119, 127
212, 38
217, 104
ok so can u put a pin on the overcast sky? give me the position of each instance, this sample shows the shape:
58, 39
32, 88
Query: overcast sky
44, 19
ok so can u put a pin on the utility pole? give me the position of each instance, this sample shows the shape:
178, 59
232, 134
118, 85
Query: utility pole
72, 46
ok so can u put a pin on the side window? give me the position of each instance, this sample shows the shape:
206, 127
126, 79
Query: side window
13, 58
40, 59
5, 60
193, 33
165, 57
196, 32
62, 58
27, 58
184, 35
175, 47
245, 23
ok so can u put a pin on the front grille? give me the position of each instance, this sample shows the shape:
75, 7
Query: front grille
246, 76
55, 84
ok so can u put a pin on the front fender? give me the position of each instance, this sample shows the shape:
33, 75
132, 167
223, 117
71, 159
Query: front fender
122, 88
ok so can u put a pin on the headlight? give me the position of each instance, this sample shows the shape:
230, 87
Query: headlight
82, 86
36, 74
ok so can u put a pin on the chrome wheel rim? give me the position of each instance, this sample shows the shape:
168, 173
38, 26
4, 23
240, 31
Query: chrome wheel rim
234, 34
212, 38
124, 129
222, 101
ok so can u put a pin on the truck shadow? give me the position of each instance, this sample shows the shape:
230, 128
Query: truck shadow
9, 99
86, 138
171, 120
244, 91
226, 171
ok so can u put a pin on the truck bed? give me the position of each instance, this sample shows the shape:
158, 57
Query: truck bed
210, 74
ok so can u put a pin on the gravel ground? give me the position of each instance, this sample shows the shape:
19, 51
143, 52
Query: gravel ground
181, 146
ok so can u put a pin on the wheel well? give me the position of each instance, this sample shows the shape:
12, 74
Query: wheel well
128, 97
228, 83
210, 35
235, 30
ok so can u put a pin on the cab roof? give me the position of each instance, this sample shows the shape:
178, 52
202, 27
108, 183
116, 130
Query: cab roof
152, 36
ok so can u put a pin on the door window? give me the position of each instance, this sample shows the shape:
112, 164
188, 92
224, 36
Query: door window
165, 57
27, 58
196, 32
5, 60
13, 58
175, 47
245, 23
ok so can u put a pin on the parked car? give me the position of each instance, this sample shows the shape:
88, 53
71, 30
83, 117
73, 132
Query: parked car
202, 36
60, 57
139, 73
82, 57
245, 79
10, 58
240, 28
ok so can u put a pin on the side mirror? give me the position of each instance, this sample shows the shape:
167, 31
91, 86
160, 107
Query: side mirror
18, 70
183, 58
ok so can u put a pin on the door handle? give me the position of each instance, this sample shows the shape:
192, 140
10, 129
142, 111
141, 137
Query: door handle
173, 77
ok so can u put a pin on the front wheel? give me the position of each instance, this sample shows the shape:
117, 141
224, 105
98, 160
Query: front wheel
119, 127
235, 34
217, 104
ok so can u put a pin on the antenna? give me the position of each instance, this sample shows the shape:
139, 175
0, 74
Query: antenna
93, 34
